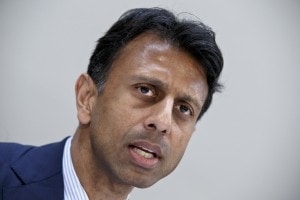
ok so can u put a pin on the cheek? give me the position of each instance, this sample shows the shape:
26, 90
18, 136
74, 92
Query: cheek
177, 150
124, 113
116, 117
179, 144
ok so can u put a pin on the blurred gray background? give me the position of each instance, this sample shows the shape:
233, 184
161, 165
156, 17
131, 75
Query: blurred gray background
247, 147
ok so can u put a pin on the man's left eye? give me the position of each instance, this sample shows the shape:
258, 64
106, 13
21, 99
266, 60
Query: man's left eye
145, 90
186, 110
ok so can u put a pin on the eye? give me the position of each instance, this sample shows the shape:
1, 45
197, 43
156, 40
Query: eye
146, 90
185, 109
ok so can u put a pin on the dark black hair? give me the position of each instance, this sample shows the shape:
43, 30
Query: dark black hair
191, 36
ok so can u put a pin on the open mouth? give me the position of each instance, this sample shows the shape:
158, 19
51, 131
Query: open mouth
145, 155
144, 152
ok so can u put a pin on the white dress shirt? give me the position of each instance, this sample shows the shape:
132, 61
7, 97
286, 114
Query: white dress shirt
73, 190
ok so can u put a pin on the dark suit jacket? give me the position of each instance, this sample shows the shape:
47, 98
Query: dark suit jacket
28, 172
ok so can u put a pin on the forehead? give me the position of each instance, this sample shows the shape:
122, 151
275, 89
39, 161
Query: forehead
151, 46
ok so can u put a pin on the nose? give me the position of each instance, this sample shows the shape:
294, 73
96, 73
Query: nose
160, 117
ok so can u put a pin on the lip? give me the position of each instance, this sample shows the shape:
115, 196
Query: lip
146, 163
151, 148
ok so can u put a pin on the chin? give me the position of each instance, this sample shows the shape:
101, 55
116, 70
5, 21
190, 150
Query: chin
143, 185
140, 183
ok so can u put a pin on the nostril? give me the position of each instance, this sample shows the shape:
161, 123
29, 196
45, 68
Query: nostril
152, 126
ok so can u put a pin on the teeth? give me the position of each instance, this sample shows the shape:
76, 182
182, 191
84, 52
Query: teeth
143, 153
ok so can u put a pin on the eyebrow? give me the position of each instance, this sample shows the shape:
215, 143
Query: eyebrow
151, 80
161, 84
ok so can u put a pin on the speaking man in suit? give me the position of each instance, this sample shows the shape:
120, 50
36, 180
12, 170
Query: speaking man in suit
150, 79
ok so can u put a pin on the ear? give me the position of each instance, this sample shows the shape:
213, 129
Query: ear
86, 95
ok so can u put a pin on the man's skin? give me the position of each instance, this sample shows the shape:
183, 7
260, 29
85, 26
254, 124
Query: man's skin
136, 131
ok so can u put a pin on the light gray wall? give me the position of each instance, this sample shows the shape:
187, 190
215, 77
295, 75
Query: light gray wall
245, 148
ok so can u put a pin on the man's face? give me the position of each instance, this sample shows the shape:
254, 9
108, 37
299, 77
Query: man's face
142, 122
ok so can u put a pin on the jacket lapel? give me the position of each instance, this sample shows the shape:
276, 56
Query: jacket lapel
40, 171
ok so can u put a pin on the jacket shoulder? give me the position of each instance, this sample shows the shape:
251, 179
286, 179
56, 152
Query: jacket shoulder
12, 151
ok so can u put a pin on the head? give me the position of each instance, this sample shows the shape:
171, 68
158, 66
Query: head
193, 37
150, 79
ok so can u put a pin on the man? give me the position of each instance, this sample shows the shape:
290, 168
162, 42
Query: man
150, 79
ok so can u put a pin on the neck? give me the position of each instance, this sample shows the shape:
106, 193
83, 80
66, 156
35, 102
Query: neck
94, 179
